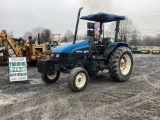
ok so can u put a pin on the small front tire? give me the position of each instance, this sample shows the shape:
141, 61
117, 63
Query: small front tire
78, 79
50, 78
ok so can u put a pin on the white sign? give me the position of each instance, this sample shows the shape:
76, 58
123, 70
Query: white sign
1, 53
17, 69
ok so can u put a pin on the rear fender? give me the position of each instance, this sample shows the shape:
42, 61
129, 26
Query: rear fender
112, 46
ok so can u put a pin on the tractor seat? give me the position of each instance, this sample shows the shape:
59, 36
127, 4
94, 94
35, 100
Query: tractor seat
102, 45
105, 41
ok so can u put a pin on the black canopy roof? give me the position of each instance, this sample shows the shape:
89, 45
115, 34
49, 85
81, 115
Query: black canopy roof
103, 17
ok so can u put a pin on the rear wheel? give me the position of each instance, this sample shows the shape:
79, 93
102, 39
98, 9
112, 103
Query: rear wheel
121, 64
78, 79
50, 78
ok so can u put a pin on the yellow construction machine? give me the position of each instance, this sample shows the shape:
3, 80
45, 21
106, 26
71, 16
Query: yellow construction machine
59, 38
32, 52
53, 43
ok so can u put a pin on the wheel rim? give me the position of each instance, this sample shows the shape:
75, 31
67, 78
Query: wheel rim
80, 80
125, 64
52, 76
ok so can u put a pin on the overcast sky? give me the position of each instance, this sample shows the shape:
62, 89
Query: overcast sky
20, 16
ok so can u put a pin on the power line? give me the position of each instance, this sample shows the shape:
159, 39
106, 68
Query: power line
144, 13
157, 17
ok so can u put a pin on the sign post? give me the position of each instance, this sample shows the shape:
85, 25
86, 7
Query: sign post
17, 69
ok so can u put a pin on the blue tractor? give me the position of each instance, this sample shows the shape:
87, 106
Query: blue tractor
84, 58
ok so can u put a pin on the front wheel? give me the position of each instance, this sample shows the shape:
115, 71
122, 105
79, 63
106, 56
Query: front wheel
78, 79
121, 64
50, 78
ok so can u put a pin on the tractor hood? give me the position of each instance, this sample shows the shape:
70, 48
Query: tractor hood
70, 47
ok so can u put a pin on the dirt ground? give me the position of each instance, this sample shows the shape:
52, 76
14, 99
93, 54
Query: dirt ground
103, 99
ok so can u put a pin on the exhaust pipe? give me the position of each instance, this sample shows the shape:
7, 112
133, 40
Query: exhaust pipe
30, 42
38, 39
75, 34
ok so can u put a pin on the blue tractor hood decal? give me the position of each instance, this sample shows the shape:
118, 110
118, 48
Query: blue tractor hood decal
70, 47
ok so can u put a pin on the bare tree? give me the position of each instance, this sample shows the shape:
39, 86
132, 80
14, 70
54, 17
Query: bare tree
68, 36
27, 34
37, 30
158, 36
157, 40
34, 32
151, 40
64, 39
148, 40
125, 31
45, 35
135, 37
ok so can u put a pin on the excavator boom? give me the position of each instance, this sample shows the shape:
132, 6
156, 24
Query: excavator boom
7, 40
33, 52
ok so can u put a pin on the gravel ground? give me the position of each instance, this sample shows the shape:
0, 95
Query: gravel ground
103, 99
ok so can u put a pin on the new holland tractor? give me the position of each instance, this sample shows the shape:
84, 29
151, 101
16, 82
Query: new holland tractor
84, 58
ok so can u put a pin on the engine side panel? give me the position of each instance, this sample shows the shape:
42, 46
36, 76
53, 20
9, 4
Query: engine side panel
70, 47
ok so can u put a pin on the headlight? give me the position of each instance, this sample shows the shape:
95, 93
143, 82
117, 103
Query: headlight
52, 55
57, 55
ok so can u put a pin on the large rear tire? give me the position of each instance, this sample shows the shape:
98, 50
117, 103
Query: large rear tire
50, 78
121, 64
78, 79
